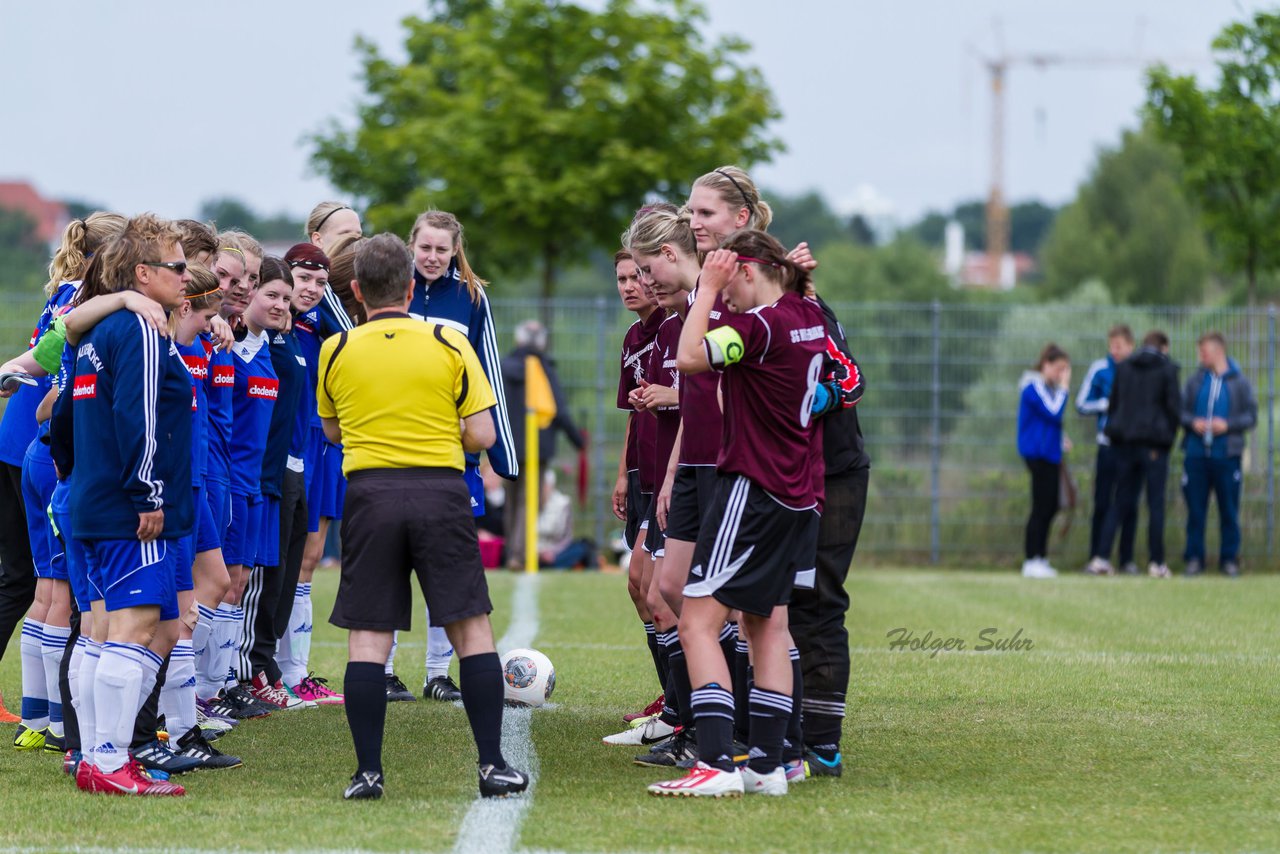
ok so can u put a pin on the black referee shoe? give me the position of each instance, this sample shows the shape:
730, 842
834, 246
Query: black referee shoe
499, 783
441, 688
397, 692
365, 785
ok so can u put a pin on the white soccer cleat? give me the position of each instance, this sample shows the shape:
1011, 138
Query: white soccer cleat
1159, 570
773, 783
653, 731
1038, 568
703, 781
1100, 566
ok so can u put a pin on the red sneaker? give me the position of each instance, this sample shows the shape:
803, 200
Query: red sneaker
273, 694
130, 780
649, 711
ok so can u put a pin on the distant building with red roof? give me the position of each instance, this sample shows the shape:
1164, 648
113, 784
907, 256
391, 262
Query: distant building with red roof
50, 216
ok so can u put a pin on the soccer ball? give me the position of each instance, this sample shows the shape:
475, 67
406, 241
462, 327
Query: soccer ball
528, 677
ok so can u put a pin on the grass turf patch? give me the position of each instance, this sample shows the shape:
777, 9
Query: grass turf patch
1141, 718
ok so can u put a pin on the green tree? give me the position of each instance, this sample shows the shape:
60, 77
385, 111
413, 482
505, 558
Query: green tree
1132, 226
806, 217
233, 213
1029, 223
23, 258
1228, 137
543, 125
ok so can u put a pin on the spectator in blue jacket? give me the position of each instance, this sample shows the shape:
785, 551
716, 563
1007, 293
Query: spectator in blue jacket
1218, 406
1041, 444
1094, 398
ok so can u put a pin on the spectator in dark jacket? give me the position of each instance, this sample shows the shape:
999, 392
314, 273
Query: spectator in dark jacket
531, 340
1218, 406
1142, 423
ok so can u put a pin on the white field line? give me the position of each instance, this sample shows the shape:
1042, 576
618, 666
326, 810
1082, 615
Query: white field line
492, 825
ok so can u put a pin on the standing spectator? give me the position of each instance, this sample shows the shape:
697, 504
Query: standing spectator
1041, 444
1218, 406
1094, 399
1142, 424
531, 340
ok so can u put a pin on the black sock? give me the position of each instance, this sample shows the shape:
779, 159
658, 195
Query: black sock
770, 712
823, 722
70, 722
678, 668
741, 690
671, 710
729, 643
365, 696
793, 742
655, 650
480, 680
713, 709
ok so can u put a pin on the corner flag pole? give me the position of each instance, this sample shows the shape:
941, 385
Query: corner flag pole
532, 477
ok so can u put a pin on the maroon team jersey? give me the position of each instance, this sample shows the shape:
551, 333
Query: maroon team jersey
700, 406
662, 371
636, 346
769, 432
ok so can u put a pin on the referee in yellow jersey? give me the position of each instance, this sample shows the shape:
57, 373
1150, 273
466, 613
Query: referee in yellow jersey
406, 398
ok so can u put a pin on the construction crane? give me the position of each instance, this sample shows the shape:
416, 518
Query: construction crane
998, 68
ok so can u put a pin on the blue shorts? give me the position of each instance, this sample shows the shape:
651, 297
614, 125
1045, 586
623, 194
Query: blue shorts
217, 494
475, 485
241, 544
129, 573
77, 569
39, 477
327, 488
207, 536
269, 533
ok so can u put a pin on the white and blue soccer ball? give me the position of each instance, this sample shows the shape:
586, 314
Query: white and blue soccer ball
528, 678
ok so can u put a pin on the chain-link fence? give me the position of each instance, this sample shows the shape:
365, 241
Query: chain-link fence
939, 417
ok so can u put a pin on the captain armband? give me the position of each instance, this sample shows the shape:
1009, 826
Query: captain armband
48, 350
724, 346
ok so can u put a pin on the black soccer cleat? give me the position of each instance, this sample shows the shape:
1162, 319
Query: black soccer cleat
815, 765
365, 785
499, 783
194, 745
670, 753
157, 756
397, 692
441, 688
248, 705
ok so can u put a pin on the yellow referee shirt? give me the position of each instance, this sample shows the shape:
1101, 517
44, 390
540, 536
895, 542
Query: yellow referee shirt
398, 387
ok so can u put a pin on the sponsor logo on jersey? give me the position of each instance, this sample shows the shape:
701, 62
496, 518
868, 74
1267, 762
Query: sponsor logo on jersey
195, 400
224, 376
809, 333
263, 388
86, 386
198, 367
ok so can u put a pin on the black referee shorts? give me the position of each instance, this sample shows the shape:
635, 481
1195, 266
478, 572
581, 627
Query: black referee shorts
750, 549
692, 493
399, 521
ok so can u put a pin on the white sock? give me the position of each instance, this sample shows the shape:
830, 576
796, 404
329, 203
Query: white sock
203, 629
35, 688
439, 651
302, 640
284, 647
85, 707
115, 696
390, 666
224, 641
178, 696
52, 649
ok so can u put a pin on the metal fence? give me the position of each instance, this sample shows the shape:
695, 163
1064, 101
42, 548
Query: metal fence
939, 416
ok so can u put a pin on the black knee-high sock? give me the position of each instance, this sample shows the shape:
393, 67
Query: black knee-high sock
70, 722
729, 643
144, 725
770, 712
480, 680
793, 742
655, 650
713, 709
741, 691
678, 669
671, 713
365, 690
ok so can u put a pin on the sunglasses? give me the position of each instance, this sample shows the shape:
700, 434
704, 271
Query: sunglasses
178, 267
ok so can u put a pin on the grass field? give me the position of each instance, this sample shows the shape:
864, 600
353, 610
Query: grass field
1143, 717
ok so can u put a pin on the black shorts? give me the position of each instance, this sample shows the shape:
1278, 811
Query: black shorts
655, 540
637, 506
807, 566
691, 495
399, 521
750, 548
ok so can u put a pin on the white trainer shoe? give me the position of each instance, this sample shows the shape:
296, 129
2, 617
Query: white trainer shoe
773, 783
1099, 566
1158, 570
1038, 567
653, 731
703, 781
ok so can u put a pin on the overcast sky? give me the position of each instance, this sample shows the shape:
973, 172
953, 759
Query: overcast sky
884, 103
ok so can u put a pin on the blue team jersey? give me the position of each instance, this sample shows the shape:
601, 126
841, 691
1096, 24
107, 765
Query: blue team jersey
219, 385
18, 426
311, 328
131, 397
282, 435
197, 362
253, 398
